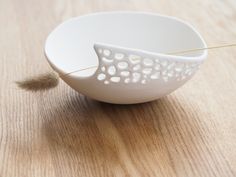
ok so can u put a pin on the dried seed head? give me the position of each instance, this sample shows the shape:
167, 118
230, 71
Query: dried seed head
40, 82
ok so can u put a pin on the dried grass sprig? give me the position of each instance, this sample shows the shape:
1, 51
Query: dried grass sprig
41, 82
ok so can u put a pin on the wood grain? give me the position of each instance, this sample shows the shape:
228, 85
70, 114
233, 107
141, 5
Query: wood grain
191, 132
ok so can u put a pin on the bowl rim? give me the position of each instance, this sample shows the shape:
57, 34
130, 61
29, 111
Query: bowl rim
200, 57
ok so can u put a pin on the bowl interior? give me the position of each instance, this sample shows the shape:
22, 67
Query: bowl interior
70, 46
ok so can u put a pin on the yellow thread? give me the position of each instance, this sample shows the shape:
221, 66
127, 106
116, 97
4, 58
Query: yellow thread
79, 70
206, 48
178, 52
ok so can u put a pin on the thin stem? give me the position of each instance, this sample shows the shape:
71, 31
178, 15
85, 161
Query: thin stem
79, 70
206, 48
177, 52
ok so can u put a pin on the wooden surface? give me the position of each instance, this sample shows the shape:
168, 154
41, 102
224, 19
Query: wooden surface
58, 133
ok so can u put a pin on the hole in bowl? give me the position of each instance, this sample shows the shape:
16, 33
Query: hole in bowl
101, 77
134, 59
107, 52
122, 65
111, 70
115, 79
119, 56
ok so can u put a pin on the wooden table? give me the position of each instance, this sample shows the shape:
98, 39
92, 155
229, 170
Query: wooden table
191, 132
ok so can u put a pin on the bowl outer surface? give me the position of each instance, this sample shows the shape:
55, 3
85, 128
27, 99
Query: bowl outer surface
62, 43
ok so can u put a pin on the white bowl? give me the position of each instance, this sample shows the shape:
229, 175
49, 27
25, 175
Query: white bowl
130, 54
